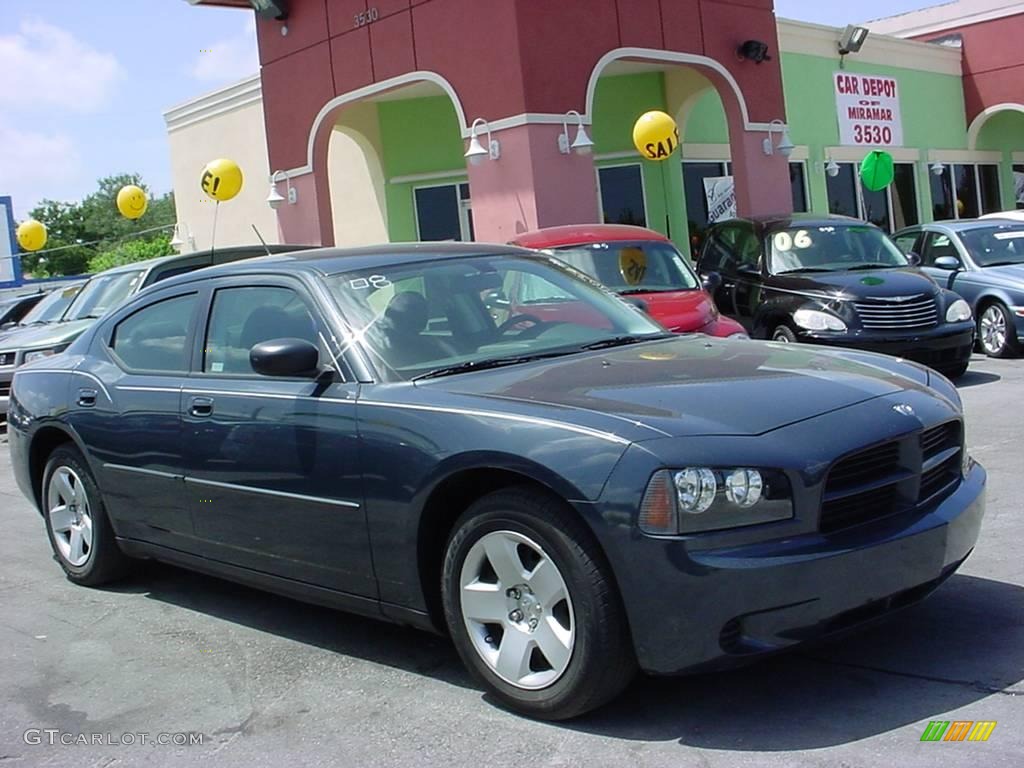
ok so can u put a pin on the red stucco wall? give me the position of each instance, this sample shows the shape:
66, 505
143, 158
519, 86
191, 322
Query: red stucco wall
993, 62
503, 57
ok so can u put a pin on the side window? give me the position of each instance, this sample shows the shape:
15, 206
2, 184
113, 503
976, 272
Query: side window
536, 290
906, 242
747, 248
719, 253
935, 246
154, 338
241, 318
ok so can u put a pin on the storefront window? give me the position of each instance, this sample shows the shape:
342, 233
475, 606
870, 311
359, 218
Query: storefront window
966, 191
444, 213
891, 209
942, 195
798, 184
1018, 184
988, 185
696, 198
622, 195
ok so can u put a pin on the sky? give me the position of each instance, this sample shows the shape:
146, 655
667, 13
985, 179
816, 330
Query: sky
85, 83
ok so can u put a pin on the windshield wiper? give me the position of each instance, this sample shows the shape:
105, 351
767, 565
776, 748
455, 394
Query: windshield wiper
872, 266
804, 270
483, 365
622, 341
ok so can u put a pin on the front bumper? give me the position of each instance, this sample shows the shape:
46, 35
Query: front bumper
947, 346
718, 608
6, 377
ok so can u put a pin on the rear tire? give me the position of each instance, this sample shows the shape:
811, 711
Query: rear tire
532, 607
784, 334
76, 521
997, 331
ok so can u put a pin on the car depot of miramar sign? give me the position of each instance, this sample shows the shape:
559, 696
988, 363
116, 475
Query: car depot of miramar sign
868, 108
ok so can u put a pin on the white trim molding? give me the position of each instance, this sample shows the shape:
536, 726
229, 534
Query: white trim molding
856, 154
964, 156
979, 122
455, 176
1018, 157
209, 105
945, 16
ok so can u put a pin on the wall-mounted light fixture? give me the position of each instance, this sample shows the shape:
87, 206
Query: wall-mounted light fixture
754, 50
476, 152
176, 240
832, 168
785, 145
938, 169
582, 144
851, 41
274, 199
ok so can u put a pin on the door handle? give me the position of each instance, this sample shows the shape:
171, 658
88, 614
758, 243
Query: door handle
86, 398
201, 406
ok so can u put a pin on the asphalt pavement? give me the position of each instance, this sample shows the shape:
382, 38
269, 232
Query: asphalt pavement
261, 680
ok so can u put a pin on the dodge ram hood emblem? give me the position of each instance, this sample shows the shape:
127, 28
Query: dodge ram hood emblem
903, 408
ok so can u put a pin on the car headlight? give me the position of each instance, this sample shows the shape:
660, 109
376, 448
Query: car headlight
959, 311
700, 499
38, 354
817, 320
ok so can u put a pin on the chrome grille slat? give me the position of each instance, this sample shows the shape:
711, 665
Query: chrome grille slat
921, 312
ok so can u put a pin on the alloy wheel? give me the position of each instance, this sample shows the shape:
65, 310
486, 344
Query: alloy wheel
70, 519
517, 610
993, 330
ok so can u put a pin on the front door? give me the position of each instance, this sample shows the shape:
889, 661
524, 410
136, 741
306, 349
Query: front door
272, 476
125, 405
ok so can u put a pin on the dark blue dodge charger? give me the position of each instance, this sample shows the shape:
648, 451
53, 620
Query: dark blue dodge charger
567, 490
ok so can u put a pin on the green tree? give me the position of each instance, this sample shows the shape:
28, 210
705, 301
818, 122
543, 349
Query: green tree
79, 234
131, 251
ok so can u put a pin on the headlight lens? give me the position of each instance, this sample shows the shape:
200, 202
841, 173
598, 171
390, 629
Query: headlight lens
701, 499
959, 311
818, 320
38, 354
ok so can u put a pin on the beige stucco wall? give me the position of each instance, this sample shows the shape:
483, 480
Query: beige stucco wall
227, 123
357, 179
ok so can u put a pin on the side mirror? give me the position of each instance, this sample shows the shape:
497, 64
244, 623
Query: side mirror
6, 326
948, 263
286, 357
712, 281
914, 259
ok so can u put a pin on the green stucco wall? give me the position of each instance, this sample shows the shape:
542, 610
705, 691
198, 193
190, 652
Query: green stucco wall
1004, 132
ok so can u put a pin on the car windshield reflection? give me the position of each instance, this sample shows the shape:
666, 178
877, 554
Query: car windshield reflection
832, 248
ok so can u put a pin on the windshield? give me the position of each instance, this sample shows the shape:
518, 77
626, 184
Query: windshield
102, 294
427, 317
997, 245
50, 309
832, 248
634, 267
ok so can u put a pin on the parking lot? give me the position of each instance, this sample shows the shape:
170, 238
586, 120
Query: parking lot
268, 681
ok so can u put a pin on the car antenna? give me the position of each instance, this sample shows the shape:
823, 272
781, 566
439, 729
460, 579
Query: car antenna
264, 242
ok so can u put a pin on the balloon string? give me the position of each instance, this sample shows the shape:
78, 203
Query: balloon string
213, 235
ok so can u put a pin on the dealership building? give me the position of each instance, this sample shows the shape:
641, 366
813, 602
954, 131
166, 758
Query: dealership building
364, 112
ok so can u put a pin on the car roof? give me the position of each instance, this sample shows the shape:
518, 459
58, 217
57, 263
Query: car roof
331, 261
581, 234
227, 254
966, 225
775, 222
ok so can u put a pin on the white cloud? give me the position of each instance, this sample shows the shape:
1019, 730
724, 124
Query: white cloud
53, 68
36, 165
233, 58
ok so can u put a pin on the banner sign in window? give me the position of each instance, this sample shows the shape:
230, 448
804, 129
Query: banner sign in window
720, 192
868, 108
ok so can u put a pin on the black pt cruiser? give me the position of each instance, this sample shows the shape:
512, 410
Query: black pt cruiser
837, 281
570, 498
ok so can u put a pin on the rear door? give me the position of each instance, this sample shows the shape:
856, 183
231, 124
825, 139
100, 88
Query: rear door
272, 473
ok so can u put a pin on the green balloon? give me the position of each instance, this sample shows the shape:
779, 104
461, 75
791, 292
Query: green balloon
877, 171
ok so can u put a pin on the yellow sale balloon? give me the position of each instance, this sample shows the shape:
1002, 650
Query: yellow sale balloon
31, 235
132, 202
222, 179
656, 135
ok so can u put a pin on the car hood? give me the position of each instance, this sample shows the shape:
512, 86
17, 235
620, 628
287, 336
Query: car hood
854, 286
695, 385
1010, 275
680, 311
43, 336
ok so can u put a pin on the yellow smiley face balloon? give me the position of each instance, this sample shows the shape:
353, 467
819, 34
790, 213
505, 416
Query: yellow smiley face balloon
222, 179
31, 235
656, 135
132, 202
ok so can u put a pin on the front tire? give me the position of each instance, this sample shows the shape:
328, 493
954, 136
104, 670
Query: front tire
997, 332
76, 521
784, 334
532, 608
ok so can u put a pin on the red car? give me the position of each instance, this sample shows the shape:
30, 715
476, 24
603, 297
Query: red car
636, 263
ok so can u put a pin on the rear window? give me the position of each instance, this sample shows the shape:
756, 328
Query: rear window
632, 267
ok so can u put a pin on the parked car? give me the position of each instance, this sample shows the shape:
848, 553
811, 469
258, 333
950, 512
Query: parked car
569, 501
1017, 215
836, 281
49, 309
102, 293
636, 263
983, 261
13, 308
